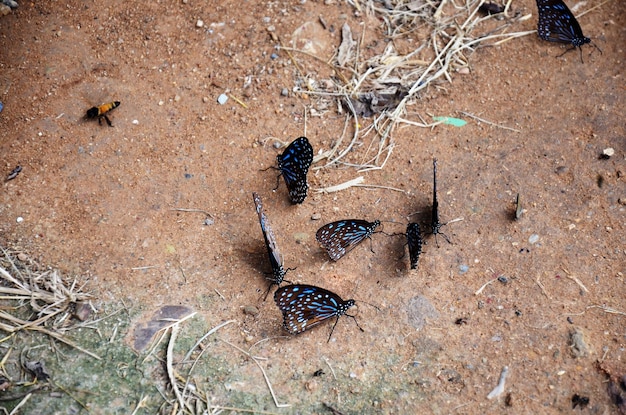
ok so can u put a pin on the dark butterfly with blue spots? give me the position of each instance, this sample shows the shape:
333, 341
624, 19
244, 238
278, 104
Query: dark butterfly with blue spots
294, 164
414, 241
339, 238
435, 224
276, 259
558, 24
306, 306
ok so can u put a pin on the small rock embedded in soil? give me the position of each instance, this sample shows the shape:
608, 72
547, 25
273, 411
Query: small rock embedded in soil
418, 310
578, 345
607, 153
251, 310
82, 311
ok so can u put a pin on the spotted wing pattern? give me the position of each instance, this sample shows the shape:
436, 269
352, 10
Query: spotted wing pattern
339, 238
306, 306
558, 24
294, 165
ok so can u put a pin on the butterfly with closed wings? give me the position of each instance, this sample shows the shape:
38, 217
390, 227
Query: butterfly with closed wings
414, 241
306, 306
340, 237
276, 259
294, 165
558, 24
435, 224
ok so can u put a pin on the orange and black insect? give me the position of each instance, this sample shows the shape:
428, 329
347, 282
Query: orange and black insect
100, 112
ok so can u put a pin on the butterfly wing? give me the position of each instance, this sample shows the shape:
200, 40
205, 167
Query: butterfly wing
306, 306
276, 260
414, 241
558, 24
339, 238
294, 165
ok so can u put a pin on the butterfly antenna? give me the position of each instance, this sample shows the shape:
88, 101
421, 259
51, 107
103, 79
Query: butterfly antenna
369, 304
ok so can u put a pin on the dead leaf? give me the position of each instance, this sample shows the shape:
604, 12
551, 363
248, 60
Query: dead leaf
347, 45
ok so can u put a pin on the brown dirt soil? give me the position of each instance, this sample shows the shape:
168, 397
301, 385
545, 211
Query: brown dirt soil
99, 201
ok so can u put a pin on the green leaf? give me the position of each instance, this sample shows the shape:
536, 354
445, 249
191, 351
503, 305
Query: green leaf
457, 122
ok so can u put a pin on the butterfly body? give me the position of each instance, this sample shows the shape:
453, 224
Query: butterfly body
306, 306
276, 259
435, 224
414, 241
558, 24
294, 165
340, 237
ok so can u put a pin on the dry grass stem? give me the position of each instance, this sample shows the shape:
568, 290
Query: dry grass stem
488, 122
43, 292
267, 380
379, 83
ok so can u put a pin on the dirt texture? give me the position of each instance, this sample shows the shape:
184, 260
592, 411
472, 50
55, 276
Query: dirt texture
157, 210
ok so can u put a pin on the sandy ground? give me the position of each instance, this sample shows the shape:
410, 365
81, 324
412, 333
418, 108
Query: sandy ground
101, 201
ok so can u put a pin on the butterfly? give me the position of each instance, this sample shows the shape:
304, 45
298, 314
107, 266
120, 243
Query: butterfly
294, 164
414, 241
339, 238
435, 225
276, 259
306, 306
558, 24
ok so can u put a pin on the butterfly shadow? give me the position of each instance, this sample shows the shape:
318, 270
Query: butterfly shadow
256, 258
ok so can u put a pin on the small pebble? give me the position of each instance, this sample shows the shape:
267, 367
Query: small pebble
463, 268
82, 311
222, 99
135, 122
578, 345
199, 23
20, 219
533, 238
284, 92
251, 310
608, 152
22, 257
316, 216
503, 279
208, 222
273, 56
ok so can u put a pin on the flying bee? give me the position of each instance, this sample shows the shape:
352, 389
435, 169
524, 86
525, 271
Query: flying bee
100, 112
